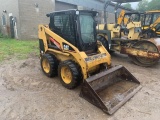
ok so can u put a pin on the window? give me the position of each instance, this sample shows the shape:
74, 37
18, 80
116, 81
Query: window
155, 17
58, 22
3, 20
63, 26
148, 19
87, 28
133, 17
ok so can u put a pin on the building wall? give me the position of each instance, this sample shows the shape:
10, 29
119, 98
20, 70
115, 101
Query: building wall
63, 6
31, 14
110, 17
11, 7
97, 5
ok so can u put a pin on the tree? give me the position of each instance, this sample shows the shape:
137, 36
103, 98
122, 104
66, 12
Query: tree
154, 5
143, 6
127, 5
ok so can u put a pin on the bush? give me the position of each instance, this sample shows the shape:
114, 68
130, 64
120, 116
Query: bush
1, 35
4, 36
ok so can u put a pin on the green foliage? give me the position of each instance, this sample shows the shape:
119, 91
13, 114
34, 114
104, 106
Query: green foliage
127, 5
145, 5
1, 35
154, 5
4, 36
17, 48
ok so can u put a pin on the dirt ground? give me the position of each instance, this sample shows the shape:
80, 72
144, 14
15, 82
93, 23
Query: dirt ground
27, 94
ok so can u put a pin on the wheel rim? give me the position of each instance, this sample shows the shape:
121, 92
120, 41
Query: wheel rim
45, 65
66, 75
150, 47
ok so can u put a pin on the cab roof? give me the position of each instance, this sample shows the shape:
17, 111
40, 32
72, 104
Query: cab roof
71, 11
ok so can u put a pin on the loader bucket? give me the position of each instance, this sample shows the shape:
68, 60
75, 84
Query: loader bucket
110, 89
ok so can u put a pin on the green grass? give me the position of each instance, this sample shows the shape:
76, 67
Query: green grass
20, 49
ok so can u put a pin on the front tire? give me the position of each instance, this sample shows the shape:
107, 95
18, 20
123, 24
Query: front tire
70, 74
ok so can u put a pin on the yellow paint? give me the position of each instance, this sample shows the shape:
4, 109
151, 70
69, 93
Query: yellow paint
66, 75
100, 27
110, 26
142, 53
153, 11
155, 22
152, 26
132, 34
121, 16
125, 20
46, 66
133, 25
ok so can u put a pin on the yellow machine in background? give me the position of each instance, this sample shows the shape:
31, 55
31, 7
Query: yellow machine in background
126, 36
151, 23
69, 48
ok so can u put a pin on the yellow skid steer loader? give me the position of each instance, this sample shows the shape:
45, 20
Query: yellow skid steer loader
69, 48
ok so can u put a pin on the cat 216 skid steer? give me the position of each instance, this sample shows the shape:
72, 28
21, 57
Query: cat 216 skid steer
68, 47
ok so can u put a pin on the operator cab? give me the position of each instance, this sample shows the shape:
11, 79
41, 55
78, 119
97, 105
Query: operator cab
150, 19
78, 27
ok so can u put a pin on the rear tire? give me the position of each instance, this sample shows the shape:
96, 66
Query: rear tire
49, 65
103, 41
70, 74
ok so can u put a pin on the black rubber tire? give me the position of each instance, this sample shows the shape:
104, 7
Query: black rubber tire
75, 71
53, 63
103, 41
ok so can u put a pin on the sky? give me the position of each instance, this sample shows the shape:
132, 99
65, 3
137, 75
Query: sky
134, 5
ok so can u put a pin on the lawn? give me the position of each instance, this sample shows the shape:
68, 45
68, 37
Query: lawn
20, 49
